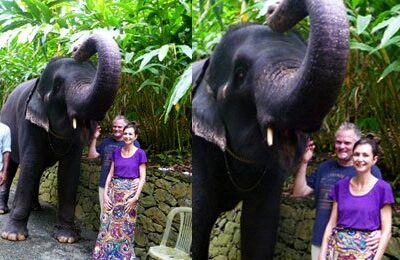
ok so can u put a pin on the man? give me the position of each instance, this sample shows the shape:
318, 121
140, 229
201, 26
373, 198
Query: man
105, 149
5, 149
321, 181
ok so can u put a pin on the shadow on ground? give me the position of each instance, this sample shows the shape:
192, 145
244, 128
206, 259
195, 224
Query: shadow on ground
40, 243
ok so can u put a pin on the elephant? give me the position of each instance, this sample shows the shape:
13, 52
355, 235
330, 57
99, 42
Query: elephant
256, 99
51, 117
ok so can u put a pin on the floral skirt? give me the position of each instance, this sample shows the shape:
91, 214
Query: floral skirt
117, 228
346, 244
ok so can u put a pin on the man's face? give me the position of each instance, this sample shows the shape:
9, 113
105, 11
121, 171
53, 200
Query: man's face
344, 143
117, 129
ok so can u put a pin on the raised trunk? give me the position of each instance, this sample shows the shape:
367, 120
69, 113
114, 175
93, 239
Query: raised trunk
314, 87
104, 86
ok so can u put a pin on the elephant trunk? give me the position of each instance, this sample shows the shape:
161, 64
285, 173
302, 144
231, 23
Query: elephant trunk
103, 88
315, 85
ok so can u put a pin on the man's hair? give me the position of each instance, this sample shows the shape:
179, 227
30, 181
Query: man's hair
121, 117
349, 126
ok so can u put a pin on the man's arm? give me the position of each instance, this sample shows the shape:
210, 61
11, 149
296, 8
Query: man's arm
6, 161
300, 187
92, 153
5, 152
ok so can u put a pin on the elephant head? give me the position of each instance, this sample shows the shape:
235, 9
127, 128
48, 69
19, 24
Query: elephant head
71, 91
261, 88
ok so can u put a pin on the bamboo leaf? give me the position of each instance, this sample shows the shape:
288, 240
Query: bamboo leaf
395, 40
394, 66
33, 9
392, 29
382, 25
360, 46
354, 3
185, 5
14, 25
362, 23
178, 91
46, 12
128, 57
186, 50
163, 52
146, 58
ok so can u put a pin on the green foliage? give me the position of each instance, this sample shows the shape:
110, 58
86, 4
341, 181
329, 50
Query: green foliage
155, 41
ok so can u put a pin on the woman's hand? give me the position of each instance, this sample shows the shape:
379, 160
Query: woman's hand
107, 202
130, 204
373, 240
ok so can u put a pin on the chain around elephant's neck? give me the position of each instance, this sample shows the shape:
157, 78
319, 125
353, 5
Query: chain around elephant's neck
239, 158
237, 186
49, 134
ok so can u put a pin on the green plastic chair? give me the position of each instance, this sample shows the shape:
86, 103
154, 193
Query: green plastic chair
184, 240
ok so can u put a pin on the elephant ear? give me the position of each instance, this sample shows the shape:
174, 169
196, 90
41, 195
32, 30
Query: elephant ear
206, 121
35, 111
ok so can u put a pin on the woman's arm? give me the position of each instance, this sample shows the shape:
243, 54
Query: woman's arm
130, 205
107, 200
386, 230
328, 231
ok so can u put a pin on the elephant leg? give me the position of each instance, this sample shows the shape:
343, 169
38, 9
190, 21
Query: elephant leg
16, 228
209, 197
205, 213
5, 188
260, 221
68, 178
35, 199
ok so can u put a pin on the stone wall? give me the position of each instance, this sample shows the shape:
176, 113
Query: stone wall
297, 218
163, 190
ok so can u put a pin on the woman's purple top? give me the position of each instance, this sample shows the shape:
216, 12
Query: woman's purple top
361, 212
128, 167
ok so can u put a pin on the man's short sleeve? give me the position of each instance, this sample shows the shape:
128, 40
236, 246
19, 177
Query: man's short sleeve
5, 140
311, 179
376, 172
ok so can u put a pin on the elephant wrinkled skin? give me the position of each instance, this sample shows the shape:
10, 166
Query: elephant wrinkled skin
254, 102
51, 118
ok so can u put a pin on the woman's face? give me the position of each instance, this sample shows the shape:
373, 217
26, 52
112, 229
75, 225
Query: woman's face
363, 158
129, 135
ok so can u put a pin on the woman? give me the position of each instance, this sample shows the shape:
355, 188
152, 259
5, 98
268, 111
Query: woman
116, 235
361, 205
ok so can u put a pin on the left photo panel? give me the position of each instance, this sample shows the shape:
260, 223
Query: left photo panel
95, 146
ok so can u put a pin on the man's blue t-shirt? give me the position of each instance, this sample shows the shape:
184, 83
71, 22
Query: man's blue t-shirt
323, 181
105, 149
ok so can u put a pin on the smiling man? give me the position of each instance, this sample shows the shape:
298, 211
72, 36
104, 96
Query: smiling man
322, 180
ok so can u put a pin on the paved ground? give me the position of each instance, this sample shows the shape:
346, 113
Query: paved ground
40, 244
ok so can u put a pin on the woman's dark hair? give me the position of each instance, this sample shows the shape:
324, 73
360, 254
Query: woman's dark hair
133, 125
371, 140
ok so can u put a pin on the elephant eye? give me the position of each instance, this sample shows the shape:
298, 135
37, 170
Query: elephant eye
58, 81
240, 74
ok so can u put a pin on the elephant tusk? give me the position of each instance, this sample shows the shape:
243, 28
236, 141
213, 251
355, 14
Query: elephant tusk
270, 136
74, 123
224, 90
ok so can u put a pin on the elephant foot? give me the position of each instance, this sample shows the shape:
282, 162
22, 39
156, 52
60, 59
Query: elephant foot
66, 234
15, 232
4, 209
3, 206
